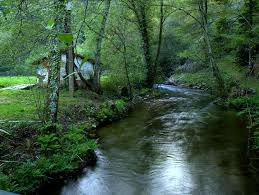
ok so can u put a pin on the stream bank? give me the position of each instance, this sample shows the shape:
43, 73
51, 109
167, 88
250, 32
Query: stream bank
41, 155
176, 144
241, 98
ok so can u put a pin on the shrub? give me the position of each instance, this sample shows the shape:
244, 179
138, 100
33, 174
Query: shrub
120, 105
106, 112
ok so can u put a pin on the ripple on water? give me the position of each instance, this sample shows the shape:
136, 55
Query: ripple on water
174, 145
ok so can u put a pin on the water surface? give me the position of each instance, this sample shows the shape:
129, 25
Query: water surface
179, 144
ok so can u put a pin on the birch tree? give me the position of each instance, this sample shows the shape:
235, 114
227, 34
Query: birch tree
55, 61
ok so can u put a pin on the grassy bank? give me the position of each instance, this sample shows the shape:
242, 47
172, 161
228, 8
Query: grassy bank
33, 154
6, 81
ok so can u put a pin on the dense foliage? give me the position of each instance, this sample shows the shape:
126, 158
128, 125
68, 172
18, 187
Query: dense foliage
132, 44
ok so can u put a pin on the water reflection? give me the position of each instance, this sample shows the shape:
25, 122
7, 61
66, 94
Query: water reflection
181, 144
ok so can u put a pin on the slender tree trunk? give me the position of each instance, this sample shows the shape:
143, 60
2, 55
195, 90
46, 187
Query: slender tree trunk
126, 68
160, 36
205, 11
55, 64
140, 10
54, 85
143, 27
203, 8
97, 66
69, 53
250, 48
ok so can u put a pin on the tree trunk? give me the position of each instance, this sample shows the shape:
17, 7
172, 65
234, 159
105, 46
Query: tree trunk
160, 36
55, 64
251, 47
97, 66
69, 53
54, 86
143, 28
140, 10
126, 68
203, 9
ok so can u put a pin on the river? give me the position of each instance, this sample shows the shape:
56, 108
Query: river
179, 144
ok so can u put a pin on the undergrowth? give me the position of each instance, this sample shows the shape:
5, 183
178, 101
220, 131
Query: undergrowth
35, 154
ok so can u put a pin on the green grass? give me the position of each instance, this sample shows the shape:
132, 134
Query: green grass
199, 78
232, 75
6, 81
21, 104
239, 74
17, 105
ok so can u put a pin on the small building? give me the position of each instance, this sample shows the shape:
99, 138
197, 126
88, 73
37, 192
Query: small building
84, 70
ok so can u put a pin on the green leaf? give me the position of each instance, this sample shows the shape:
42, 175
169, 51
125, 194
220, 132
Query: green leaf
6, 11
66, 37
51, 24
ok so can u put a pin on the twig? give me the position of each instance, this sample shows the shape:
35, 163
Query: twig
80, 158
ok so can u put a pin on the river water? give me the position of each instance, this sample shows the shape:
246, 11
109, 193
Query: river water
179, 144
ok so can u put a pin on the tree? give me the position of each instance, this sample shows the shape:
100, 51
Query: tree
247, 30
55, 61
160, 35
141, 8
203, 10
99, 41
69, 50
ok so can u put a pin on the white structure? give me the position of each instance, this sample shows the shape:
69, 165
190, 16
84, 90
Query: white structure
85, 68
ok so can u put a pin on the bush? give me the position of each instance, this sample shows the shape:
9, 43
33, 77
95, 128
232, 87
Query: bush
244, 102
120, 105
49, 143
111, 110
106, 112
